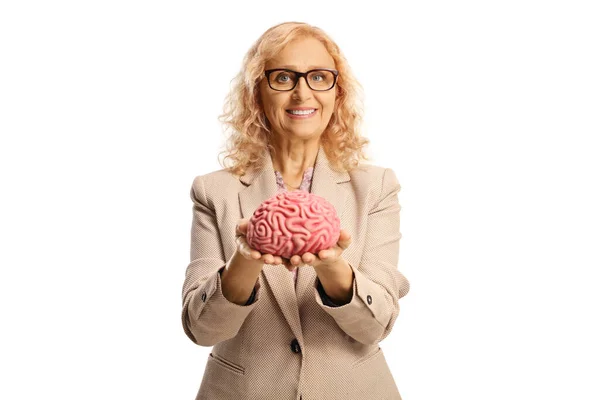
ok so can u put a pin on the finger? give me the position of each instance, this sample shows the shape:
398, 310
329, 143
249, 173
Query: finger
290, 267
324, 254
344, 237
308, 258
254, 254
295, 260
246, 252
239, 242
249, 253
239, 232
345, 243
243, 243
242, 225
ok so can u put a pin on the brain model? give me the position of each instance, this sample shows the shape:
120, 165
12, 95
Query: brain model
293, 223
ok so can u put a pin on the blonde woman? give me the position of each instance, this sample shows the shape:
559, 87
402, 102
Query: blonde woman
308, 327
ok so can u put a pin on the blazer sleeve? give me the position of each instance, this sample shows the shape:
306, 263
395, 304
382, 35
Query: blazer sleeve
378, 284
207, 316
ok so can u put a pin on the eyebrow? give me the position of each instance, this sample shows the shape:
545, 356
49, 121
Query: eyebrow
309, 67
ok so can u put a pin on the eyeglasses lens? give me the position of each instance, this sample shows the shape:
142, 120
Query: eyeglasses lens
317, 80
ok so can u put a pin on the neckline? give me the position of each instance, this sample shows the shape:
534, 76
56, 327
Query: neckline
306, 178
308, 170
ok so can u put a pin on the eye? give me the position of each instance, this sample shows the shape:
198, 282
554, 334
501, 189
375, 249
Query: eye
320, 76
283, 77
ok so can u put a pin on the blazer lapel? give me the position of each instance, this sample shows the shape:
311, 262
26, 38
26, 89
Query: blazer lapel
262, 185
326, 183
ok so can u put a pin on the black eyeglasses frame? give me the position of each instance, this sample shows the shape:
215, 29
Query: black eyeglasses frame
300, 75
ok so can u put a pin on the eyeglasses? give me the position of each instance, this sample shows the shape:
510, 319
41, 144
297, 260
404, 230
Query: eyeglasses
283, 80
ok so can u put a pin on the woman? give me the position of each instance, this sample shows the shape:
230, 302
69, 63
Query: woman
308, 327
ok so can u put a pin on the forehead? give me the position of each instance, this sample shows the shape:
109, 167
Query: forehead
302, 54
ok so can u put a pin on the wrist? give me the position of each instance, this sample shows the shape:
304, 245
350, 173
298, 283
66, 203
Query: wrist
238, 259
239, 278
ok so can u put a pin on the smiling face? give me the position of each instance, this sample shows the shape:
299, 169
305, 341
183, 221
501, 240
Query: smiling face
302, 54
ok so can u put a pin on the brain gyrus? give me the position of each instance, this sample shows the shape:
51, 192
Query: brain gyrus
293, 223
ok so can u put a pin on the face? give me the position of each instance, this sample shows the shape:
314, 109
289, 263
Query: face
300, 55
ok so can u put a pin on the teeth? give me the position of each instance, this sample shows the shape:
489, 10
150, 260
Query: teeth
303, 112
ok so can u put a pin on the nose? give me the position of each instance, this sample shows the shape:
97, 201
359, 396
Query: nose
302, 91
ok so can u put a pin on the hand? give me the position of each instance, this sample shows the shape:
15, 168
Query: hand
325, 257
248, 252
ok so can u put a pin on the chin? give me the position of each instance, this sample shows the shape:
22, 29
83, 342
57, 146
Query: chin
305, 134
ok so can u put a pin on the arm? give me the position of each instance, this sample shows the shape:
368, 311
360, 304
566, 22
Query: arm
213, 294
325, 299
377, 284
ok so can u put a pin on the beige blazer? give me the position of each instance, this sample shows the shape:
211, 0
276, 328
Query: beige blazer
287, 344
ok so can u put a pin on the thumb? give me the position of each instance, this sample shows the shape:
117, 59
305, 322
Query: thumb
344, 236
242, 226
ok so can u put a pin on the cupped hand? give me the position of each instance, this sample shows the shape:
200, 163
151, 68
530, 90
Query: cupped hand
325, 257
248, 252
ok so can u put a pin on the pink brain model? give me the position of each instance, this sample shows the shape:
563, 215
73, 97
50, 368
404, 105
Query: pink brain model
293, 223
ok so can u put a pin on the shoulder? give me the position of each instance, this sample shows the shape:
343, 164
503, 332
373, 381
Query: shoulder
209, 187
377, 177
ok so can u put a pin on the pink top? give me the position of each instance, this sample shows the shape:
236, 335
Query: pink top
305, 185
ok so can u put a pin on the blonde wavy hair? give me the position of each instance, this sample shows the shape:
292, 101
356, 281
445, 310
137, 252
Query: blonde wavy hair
244, 116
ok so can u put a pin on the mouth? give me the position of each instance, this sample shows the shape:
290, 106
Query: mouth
301, 113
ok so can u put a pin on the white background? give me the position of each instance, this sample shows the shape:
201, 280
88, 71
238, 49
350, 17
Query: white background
488, 112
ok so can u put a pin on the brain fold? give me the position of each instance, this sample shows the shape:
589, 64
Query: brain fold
293, 223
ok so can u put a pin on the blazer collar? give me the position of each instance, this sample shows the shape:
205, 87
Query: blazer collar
261, 186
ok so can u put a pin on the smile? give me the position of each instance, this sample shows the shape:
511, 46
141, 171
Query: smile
300, 114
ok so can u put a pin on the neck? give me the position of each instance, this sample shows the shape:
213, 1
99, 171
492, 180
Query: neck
291, 159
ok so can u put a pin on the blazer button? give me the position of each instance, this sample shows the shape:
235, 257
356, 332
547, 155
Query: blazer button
204, 296
295, 346
369, 299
